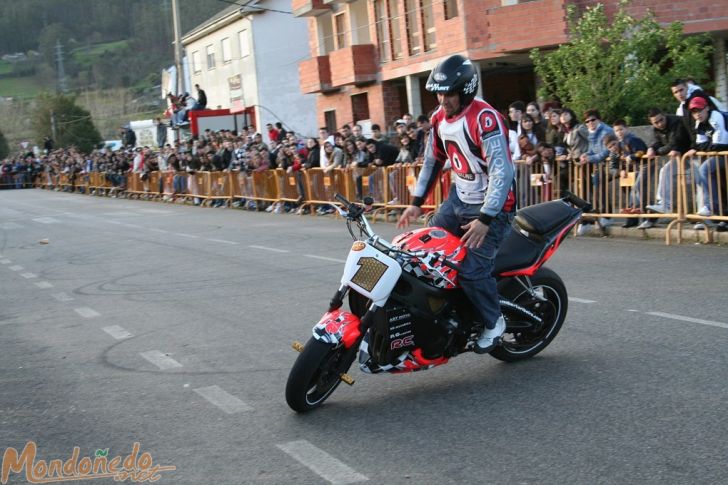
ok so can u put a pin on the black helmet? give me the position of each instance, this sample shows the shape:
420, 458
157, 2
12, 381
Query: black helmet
456, 74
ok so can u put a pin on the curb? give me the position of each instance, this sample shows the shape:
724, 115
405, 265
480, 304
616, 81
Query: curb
689, 235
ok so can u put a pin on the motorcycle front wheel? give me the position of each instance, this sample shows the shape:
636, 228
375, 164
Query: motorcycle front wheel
549, 302
316, 374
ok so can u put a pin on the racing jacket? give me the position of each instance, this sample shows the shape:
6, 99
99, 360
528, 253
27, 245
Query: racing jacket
475, 142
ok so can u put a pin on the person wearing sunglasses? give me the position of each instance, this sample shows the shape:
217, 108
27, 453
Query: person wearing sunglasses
595, 156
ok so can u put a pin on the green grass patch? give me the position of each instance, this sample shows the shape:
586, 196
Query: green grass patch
86, 56
21, 87
5, 67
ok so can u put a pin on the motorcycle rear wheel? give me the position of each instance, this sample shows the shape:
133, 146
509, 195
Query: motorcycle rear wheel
521, 345
316, 374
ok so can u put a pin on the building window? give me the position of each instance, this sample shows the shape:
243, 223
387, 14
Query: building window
413, 27
196, 65
330, 121
428, 24
340, 29
210, 51
394, 28
382, 31
326, 34
225, 48
243, 43
360, 106
451, 9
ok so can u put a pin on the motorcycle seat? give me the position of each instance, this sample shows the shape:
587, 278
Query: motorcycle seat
542, 219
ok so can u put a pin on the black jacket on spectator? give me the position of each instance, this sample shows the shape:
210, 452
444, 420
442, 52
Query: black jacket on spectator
386, 153
313, 160
674, 137
222, 159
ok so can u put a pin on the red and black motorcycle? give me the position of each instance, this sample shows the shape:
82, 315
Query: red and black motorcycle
407, 313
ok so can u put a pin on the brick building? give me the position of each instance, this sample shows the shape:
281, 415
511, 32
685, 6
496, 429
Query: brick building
370, 58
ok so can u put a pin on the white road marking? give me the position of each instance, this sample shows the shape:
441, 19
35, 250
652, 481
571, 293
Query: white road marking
28, 275
191, 236
160, 359
221, 241
44, 284
117, 332
46, 220
324, 258
321, 463
62, 296
15, 268
5, 261
634, 311
158, 230
580, 300
135, 226
222, 399
87, 312
688, 319
264, 248
10, 225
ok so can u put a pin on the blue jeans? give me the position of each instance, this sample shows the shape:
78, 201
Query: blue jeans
476, 275
710, 172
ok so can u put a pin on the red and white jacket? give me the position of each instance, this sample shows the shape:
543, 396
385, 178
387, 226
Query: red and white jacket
476, 143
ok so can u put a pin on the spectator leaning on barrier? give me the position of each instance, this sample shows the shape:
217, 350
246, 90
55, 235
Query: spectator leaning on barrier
576, 135
534, 111
595, 155
710, 135
633, 148
671, 139
377, 134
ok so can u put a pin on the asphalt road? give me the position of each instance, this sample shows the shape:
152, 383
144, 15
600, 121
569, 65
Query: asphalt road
171, 326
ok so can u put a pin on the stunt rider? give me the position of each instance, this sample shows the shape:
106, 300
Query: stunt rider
480, 208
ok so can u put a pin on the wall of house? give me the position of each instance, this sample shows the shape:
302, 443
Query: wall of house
215, 81
281, 42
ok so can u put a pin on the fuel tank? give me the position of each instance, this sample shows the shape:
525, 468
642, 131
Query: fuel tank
435, 240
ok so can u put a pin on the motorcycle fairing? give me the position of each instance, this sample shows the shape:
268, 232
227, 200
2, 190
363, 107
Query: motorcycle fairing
370, 272
407, 361
336, 327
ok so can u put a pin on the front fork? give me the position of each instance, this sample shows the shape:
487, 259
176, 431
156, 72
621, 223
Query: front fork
352, 337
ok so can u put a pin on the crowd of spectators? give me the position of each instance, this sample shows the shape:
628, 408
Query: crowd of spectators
549, 135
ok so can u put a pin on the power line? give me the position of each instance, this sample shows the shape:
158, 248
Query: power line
262, 9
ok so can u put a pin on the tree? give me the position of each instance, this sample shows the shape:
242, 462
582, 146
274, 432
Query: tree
73, 124
4, 149
622, 66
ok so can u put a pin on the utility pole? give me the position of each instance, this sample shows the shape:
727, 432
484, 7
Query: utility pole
54, 135
61, 71
177, 47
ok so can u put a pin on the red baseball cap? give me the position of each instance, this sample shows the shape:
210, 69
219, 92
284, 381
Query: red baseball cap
697, 103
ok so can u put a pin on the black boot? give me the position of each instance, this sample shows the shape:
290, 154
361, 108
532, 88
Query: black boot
630, 223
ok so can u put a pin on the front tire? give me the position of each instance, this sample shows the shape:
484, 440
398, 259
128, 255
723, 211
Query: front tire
520, 345
316, 374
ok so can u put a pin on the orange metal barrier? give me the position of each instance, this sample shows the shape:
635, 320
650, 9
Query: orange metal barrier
680, 187
705, 187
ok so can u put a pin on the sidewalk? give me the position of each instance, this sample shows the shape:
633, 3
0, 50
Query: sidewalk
689, 235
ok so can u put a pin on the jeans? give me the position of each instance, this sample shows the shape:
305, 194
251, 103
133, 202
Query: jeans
476, 275
710, 172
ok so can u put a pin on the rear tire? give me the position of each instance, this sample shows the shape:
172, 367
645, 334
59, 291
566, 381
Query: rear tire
520, 345
316, 374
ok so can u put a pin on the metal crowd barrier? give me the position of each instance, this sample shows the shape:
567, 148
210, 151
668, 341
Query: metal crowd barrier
682, 188
705, 190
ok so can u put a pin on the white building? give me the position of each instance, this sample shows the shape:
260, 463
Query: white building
247, 58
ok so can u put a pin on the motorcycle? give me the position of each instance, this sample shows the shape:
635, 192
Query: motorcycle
407, 313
